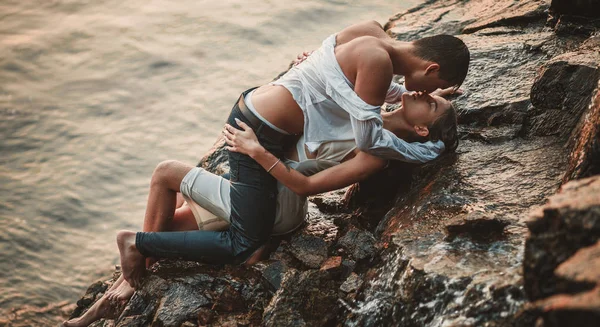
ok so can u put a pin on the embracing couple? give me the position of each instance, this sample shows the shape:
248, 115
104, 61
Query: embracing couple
318, 128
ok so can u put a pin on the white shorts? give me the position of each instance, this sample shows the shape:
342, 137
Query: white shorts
207, 195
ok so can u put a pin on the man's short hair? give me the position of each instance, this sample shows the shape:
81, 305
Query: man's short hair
448, 51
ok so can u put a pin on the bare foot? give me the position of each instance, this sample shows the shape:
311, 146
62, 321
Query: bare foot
100, 309
121, 293
132, 261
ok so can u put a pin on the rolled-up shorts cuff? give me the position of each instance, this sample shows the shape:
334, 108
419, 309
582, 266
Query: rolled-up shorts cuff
207, 195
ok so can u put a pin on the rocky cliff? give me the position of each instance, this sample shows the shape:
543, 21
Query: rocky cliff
467, 240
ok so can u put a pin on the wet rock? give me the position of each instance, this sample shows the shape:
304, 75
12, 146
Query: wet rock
562, 92
93, 293
580, 275
569, 221
274, 272
321, 225
590, 8
133, 321
477, 225
584, 160
509, 13
492, 135
205, 316
310, 250
305, 299
583, 267
330, 202
348, 266
352, 283
360, 244
582, 309
176, 293
332, 264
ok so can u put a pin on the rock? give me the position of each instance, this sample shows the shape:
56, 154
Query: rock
584, 160
582, 309
477, 225
93, 293
563, 91
590, 8
352, 283
348, 266
569, 221
332, 264
508, 13
330, 202
205, 316
273, 273
360, 244
305, 299
310, 250
492, 134
583, 267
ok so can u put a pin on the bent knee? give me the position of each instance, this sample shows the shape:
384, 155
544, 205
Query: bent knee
170, 173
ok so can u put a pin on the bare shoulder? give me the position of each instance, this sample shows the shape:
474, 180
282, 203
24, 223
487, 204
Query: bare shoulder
374, 72
367, 28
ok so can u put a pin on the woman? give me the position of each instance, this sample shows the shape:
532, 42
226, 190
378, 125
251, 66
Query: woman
207, 194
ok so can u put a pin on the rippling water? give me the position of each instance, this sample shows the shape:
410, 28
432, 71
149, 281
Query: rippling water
93, 94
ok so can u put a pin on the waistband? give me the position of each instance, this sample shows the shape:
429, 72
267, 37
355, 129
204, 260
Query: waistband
257, 125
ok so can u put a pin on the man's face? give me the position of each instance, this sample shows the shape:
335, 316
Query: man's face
425, 80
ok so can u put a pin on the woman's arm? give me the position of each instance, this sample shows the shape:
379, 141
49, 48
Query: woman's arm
342, 175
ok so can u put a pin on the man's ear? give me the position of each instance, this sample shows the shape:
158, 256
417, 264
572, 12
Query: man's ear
432, 68
421, 130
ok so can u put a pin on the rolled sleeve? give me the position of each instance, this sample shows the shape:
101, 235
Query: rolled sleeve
394, 93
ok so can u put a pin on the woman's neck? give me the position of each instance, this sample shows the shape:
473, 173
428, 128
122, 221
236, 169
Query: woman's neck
394, 122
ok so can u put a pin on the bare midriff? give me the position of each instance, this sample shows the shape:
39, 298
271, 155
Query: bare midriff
276, 104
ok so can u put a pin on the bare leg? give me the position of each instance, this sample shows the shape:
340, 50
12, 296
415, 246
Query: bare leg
100, 309
162, 199
160, 211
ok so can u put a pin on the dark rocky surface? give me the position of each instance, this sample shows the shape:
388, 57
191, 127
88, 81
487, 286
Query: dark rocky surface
439, 244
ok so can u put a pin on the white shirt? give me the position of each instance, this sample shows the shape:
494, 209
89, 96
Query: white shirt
334, 112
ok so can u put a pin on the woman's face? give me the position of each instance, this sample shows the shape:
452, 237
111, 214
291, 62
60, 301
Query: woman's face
422, 109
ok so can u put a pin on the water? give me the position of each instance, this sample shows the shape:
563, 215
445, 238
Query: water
94, 94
